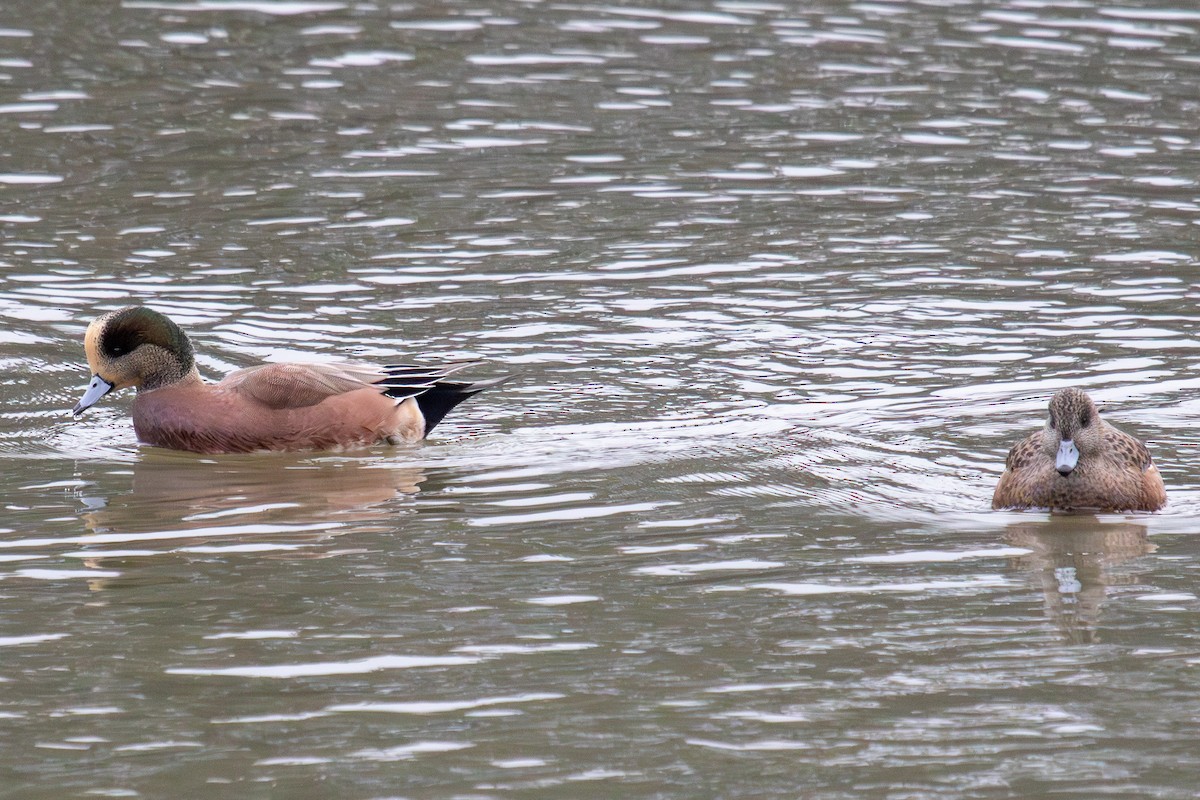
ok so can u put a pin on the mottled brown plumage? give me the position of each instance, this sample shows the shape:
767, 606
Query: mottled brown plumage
1079, 462
267, 407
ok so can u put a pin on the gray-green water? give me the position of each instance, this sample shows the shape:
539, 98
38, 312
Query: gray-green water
779, 283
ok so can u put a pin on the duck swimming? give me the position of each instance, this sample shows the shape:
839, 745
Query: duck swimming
1078, 461
266, 407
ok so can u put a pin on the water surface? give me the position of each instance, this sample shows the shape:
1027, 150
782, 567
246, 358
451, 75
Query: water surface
779, 285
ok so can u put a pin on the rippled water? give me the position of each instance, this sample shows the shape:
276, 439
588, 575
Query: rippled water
779, 284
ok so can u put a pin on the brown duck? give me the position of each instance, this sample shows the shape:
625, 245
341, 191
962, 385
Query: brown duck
1079, 461
267, 407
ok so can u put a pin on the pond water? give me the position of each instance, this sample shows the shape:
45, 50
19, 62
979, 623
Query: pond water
778, 284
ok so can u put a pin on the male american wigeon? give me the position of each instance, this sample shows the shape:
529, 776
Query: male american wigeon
1079, 461
268, 407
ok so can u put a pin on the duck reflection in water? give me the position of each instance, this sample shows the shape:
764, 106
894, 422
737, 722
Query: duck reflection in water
179, 500
1074, 559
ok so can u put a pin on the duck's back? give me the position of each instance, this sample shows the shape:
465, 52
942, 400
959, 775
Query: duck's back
285, 386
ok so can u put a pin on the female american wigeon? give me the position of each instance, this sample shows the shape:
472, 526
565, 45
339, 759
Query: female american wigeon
1079, 461
268, 407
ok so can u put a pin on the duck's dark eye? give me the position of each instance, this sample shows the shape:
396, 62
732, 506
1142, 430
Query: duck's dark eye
120, 343
1084, 419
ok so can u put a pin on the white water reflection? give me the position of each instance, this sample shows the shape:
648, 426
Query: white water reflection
427, 707
329, 668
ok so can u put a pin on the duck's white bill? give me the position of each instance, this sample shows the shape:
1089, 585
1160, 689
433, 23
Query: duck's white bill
1068, 457
96, 389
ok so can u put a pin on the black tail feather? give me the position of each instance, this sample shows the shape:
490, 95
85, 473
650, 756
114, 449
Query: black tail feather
437, 401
